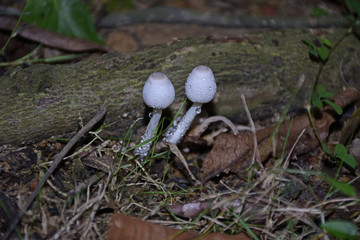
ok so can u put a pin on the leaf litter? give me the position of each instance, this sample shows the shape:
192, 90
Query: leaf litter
232, 152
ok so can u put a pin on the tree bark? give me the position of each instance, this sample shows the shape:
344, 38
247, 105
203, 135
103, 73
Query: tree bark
40, 101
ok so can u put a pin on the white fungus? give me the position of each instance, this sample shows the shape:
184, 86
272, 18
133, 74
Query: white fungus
158, 93
200, 88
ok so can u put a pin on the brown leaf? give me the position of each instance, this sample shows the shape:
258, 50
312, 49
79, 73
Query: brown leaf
49, 38
125, 227
233, 153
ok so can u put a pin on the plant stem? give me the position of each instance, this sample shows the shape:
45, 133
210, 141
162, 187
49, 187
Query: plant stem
322, 64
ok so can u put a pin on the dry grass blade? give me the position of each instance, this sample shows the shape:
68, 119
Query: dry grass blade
256, 154
91, 203
174, 149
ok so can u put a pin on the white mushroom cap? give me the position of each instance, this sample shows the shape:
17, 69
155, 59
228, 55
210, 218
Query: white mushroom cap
158, 91
200, 86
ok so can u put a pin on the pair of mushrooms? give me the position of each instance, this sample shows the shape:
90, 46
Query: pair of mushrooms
159, 93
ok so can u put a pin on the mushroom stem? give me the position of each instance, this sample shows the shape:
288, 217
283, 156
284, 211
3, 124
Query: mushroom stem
149, 133
184, 124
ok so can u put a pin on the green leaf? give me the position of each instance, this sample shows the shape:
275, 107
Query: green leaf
67, 17
342, 187
311, 48
318, 12
354, 6
340, 151
323, 53
336, 107
322, 92
350, 161
327, 42
309, 43
34, 10
341, 229
326, 148
313, 52
315, 100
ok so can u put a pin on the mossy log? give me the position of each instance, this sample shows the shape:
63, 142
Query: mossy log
40, 101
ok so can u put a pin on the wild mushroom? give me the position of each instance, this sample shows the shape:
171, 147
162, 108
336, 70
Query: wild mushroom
200, 88
158, 93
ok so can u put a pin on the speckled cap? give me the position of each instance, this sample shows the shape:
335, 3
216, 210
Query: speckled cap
200, 86
158, 91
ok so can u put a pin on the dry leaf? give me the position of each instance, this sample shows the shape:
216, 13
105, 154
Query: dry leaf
124, 228
233, 153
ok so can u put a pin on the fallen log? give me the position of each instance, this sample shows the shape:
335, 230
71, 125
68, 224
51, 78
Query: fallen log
39, 101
